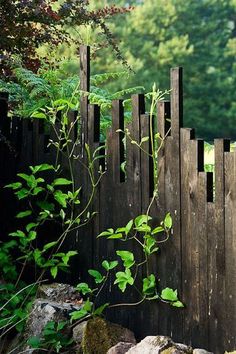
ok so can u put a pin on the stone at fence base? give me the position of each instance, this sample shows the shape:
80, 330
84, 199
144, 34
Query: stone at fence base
159, 344
98, 336
56, 302
201, 351
120, 348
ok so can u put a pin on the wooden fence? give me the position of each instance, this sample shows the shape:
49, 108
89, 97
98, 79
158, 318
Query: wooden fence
200, 258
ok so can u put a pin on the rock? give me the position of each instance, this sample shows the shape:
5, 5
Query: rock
98, 336
151, 344
201, 351
44, 311
120, 348
56, 302
159, 344
59, 292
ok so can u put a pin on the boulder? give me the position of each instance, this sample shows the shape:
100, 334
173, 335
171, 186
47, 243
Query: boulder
201, 351
120, 348
159, 344
54, 302
98, 336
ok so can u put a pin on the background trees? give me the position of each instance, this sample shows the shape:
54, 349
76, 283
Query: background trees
198, 35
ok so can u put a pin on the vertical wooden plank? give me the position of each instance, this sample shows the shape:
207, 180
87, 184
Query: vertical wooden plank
26, 153
84, 87
192, 163
146, 164
230, 250
115, 147
186, 135
133, 156
163, 125
203, 256
171, 276
38, 142
4, 121
217, 250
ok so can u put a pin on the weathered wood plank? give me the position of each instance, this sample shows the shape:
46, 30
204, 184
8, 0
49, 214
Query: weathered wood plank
230, 250
203, 255
115, 144
217, 252
163, 126
146, 164
84, 87
186, 176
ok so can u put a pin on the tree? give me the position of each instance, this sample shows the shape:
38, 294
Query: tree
198, 35
27, 24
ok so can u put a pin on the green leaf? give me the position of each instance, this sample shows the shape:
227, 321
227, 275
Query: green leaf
67, 256
37, 190
49, 245
169, 294
127, 258
99, 310
106, 233
144, 228
32, 235
84, 288
168, 221
61, 198
109, 266
144, 139
23, 214
115, 236
157, 230
61, 182
97, 276
39, 115
18, 233
22, 193
87, 306
177, 304
149, 285
30, 226
150, 244
128, 227
44, 205
124, 278
77, 315
42, 167
142, 219
14, 186
54, 271
34, 342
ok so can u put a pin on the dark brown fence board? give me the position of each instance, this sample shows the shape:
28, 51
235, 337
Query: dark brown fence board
218, 249
230, 249
203, 256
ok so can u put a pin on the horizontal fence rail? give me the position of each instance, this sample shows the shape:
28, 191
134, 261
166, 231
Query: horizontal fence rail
200, 258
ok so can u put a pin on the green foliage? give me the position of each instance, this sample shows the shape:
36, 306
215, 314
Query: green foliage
54, 338
140, 231
53, 89
158, 35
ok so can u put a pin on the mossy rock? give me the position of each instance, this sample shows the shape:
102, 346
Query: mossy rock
100, 335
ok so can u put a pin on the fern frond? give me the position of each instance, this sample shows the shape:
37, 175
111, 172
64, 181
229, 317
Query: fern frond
99, 79
125, 92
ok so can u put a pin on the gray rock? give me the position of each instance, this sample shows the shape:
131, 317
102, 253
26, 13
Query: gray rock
159, 344
120, 348
59, 292
151, 344
201, 351
56, 302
